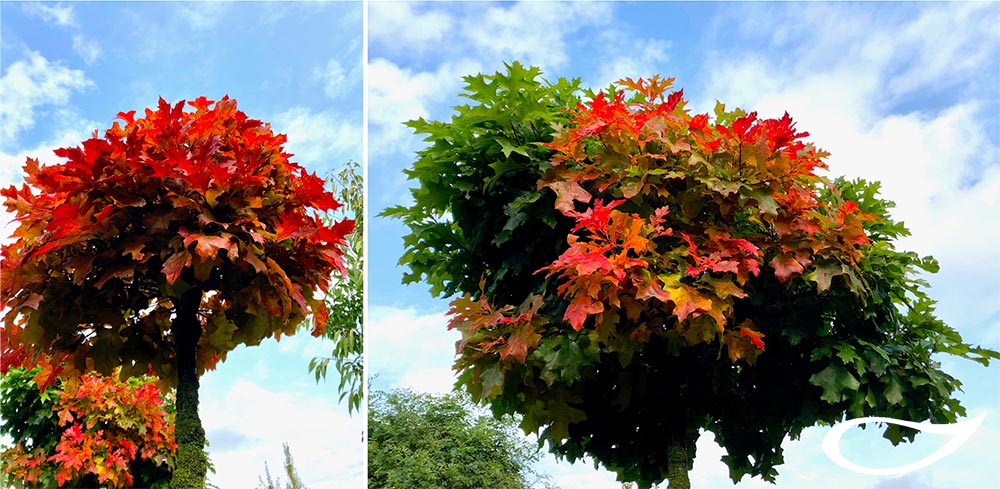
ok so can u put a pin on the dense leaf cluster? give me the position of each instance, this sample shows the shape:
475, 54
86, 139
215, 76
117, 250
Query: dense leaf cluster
100, 432
421, 440
629, 274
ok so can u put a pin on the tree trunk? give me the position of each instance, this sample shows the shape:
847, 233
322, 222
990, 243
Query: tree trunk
190, 462
677, 466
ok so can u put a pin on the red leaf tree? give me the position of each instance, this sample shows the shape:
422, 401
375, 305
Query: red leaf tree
102, 432
161, 247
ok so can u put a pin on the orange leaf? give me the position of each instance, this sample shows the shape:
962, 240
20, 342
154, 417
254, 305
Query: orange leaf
521, 340
581, 307
755, 336
784, 266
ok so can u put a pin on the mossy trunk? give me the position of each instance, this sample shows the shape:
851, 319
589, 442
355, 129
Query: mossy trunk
190, 462
677, 467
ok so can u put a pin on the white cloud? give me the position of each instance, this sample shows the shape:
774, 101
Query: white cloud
325, 443
949, 40
400, 25
435, 380
319, 139
644, 58
940, 167
336, 80
407, 348
60, 14
202, 16
533, 32
32, 83
397, 95
88, 49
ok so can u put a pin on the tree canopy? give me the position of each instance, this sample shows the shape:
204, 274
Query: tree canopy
160, 247
423, 440
627, 273
102, 432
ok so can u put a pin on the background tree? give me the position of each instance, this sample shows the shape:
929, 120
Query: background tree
104, 432
161, 247
294, 482
621, 266
345, 298
422, 440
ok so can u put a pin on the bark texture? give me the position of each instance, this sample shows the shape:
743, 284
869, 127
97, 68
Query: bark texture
190, 462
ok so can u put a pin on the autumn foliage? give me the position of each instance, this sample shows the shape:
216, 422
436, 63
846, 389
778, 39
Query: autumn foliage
677, 215
160, 247
626, 274
108, 241
94, 433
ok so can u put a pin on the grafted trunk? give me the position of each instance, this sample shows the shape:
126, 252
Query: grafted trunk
677, 466
190, 462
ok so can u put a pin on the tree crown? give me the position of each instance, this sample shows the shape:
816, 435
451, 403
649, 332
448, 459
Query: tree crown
109, 240
628, 274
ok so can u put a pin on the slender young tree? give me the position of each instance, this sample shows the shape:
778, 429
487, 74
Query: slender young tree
345, 298
627, 274
160, 247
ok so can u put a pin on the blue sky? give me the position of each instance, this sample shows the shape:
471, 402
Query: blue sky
68, 68
908, 94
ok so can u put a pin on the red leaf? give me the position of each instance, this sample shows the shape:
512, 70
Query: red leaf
293, 225
128, 117
653, 290
205, 246
581, 307
784, 266
755, 337
200, 104
595, 218
698, 122
174, 265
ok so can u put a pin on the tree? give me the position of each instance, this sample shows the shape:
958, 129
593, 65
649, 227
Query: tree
345, 298
628, 274
422, 440
161, 247
294, 482
103, 432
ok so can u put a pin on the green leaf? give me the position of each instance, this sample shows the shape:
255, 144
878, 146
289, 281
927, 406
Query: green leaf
894, 391
834, 379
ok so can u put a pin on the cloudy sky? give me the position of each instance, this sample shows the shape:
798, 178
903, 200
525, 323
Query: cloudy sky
68, 68
908, 94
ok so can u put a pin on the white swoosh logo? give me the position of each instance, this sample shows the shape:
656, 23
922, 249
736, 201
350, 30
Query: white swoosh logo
960, 432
